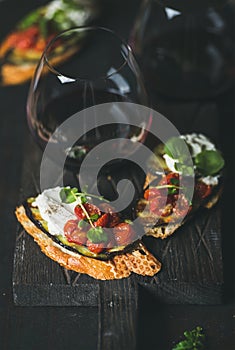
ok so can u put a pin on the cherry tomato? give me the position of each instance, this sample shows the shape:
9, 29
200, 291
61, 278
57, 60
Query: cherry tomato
171, 176
95, 247
73, 233
124, 234
113, 217
202, 190
70, 226
111, 241
90, 208
77, 236
157, 205
102, 221
114, 220
151, 193
166, 180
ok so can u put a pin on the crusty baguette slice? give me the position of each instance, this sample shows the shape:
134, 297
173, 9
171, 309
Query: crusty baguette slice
165, 230
139, 261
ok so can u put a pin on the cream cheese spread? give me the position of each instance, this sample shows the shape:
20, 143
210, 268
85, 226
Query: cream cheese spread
53, 211
198, 143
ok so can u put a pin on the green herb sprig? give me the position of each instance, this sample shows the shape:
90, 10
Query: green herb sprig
69, 195
194, 340
97, 235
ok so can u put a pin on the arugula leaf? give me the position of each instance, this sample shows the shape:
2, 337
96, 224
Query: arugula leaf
97, 235
194, 340
209, 162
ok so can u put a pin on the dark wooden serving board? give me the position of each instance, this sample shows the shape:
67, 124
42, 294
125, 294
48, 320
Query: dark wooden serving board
192, 269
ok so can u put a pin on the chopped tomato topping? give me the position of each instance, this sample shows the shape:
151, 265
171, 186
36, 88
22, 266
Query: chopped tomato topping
90, 209
70, 226
102, 221
202, 190
77, 236
124, 234
169, 179
114, 218
76, 230
157, 205
151, 193
73, 233
163, 203
95, 247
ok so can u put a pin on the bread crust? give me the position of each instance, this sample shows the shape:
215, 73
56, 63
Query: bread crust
138, 261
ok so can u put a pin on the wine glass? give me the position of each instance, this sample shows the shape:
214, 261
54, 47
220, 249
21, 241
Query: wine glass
185, 48
80, 68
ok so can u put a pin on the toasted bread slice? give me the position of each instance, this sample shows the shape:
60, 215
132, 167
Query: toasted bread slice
162, 213
139, 261
165, 229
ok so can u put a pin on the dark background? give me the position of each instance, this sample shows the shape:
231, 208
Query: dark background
159, 326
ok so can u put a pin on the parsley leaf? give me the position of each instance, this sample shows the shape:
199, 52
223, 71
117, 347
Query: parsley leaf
194, 340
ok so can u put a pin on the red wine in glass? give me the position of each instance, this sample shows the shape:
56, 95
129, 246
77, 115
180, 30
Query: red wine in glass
99, 69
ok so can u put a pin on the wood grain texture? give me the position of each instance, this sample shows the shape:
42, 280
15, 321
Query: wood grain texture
118, 301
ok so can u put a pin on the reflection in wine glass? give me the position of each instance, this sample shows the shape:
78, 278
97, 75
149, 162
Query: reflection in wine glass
96, 67
185, 48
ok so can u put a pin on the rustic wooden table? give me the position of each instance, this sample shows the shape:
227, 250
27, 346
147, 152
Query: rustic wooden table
139, 320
